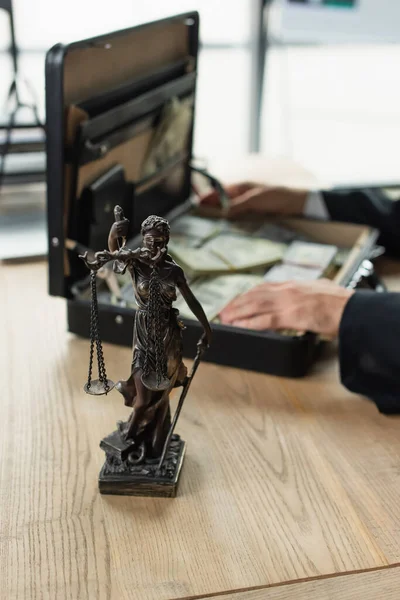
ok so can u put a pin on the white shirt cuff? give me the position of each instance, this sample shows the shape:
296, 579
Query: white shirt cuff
315, 207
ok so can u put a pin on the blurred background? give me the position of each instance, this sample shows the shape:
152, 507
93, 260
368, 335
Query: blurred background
316, 81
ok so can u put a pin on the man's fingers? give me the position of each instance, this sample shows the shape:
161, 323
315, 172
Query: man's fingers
247, 306
232, 191
260, 322
235, 306
265, 291
211, 198
246, 202
242, 312
236, 189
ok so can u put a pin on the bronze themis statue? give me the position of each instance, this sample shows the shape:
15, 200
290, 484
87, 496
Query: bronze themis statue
143, 456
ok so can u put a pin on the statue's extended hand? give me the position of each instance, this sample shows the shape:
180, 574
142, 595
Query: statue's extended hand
103, 256
100, 259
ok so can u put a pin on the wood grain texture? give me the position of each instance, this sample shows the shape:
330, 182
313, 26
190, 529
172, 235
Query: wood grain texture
283, 480
363, 448
356, 586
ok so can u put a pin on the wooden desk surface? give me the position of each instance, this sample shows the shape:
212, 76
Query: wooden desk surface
286, 483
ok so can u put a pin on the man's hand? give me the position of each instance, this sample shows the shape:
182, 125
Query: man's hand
303, 306
248, 197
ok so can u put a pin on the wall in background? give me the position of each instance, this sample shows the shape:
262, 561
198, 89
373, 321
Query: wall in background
336, 110
368, 21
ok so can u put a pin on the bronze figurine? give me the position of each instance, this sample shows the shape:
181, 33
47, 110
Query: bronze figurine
142, 455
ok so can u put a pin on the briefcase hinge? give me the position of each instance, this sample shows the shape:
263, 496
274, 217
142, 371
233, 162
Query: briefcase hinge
366, 272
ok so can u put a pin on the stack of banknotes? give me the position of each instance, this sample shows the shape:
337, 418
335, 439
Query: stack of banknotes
303, 261
213, 246
227, 253
214, 293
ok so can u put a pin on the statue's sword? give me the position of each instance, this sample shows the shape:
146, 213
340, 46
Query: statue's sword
196, 362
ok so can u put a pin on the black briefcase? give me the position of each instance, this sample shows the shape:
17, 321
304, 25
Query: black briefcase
104, 98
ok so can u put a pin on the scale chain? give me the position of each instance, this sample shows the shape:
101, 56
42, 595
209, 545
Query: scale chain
95, 339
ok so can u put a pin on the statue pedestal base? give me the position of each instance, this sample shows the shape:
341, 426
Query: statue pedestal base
121, 476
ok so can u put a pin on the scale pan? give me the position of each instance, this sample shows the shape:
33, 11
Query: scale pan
97, 387
151, 383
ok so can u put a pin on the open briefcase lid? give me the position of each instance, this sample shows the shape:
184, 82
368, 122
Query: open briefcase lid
120, 115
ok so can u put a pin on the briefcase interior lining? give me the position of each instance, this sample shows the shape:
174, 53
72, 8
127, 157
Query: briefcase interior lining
123, 56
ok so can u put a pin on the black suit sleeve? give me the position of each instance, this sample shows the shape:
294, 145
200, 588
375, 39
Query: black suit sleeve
368, 207
369, 340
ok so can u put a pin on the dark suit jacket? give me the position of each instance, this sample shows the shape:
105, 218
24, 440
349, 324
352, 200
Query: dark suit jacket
369, 335
368, 207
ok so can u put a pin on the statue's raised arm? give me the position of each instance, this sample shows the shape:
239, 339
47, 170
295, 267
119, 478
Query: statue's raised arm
116, 251
118, 231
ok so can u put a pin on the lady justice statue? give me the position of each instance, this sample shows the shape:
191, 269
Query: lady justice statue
143, 457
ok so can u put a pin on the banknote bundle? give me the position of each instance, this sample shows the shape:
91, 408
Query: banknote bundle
226, 252
311, 255
286, 272
192, 231
214, 293
201, 228
170, 137
303, 261
278, 233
